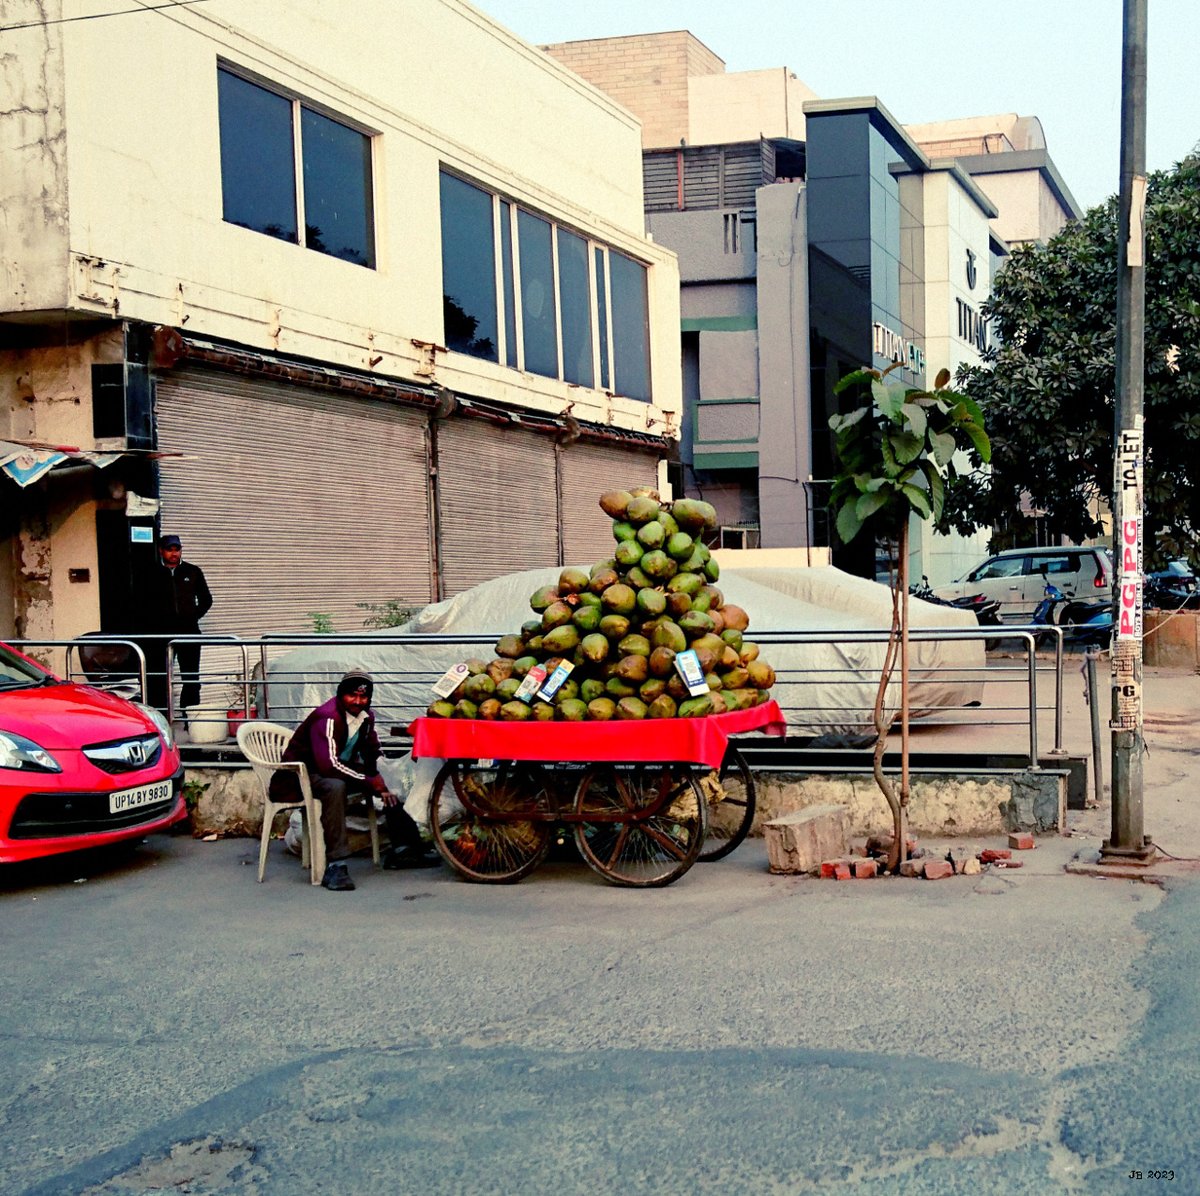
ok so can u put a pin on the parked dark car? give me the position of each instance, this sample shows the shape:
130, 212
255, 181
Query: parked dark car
1173, 587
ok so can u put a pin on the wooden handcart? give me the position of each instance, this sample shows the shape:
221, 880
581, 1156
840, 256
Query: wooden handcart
640, 818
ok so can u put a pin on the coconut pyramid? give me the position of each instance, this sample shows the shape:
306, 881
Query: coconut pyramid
644, 634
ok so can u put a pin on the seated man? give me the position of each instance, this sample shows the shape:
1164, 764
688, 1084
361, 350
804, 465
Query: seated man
338, 744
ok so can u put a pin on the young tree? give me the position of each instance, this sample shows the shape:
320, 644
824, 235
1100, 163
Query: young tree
899, 454
1048, 381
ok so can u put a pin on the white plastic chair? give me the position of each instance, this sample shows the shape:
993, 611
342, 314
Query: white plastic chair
262, 743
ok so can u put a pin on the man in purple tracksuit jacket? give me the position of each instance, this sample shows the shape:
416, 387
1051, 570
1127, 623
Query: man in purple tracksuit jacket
338, 744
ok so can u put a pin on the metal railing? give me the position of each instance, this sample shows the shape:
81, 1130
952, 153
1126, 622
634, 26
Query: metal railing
254, 678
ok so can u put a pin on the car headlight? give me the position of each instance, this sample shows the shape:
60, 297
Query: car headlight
18, 752
159, 720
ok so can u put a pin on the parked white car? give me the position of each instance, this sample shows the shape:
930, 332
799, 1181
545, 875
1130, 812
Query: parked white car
1017, 578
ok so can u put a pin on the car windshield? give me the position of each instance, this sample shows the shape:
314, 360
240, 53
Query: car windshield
18, 673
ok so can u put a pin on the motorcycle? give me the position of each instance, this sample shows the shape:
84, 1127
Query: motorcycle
1084, 622
985, 609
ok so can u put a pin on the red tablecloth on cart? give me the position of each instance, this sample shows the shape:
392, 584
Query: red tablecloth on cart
670, 740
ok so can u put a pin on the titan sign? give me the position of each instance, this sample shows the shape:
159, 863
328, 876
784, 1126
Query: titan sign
893, 347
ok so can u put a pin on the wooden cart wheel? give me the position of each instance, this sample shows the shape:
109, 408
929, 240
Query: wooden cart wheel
640, 853
496, 847
731, 802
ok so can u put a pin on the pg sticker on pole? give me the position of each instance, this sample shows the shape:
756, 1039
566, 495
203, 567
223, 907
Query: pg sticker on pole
1129, 516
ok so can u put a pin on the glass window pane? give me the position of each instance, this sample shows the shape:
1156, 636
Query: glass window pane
258, 172
631, 329
468, 269
602, 317
510, 294
338, 217
537, 295
575, 302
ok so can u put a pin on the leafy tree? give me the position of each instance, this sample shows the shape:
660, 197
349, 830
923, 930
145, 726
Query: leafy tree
899, 455
1048, 382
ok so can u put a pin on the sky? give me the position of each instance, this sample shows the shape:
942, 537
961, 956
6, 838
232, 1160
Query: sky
926, 60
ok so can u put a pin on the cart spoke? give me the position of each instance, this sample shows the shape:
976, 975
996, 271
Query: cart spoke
625, 844
731, 804
474, 814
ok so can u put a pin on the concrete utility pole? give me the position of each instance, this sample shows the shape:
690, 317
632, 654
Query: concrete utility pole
1128, 843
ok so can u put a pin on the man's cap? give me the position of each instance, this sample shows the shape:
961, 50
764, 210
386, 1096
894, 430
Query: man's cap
170, 542
356, 679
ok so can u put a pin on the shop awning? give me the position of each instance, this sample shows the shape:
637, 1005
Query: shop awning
27, 460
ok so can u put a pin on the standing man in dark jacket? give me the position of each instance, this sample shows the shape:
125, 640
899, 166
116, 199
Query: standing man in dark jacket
339, 747
178, 598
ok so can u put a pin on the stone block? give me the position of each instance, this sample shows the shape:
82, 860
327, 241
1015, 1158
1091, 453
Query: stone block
971, 866
800, 841
912, 868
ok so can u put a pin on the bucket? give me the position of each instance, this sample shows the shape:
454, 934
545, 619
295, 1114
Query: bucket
207, 724
237, 716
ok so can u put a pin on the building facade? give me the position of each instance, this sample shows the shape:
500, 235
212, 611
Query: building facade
814, 237
356, 335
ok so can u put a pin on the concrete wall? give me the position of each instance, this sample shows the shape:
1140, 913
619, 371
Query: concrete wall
1172, 639
45, 394
1029, 210
743, 105
647, 73
146, 234
785, 436
33, 149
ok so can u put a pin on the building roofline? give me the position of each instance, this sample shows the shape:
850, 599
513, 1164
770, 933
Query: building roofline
964, 180
1018, 160
879, 115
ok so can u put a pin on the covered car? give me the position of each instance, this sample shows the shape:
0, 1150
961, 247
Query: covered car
805, 620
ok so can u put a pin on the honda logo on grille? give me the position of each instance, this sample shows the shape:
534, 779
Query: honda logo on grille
135, 752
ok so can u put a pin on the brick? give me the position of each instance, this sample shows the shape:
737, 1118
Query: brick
1022, 841
801, 841
991, 854
938, 869
828, 869
865, 869
841, 871
1008, 864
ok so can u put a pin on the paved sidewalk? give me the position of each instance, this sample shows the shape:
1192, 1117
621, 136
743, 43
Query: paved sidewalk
1171, 793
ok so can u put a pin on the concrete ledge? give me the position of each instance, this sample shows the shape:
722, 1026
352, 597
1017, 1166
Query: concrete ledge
943, 805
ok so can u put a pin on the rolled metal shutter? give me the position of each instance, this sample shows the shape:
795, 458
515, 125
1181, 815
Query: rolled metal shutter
586, 471
293, 500
497, 502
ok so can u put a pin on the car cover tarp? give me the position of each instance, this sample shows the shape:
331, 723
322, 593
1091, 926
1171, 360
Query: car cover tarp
822, 686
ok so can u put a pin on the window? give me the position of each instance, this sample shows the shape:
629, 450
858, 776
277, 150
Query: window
468, 272
523, 291
286, 167
1004, 566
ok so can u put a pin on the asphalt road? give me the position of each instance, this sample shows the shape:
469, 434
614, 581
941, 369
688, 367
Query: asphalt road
170, 1025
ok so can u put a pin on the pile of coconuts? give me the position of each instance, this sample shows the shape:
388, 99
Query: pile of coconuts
621, 625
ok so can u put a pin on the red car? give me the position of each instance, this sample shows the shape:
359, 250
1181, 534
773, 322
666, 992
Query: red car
79, 767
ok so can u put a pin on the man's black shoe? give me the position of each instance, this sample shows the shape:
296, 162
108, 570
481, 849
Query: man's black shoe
337, 879
410, 857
